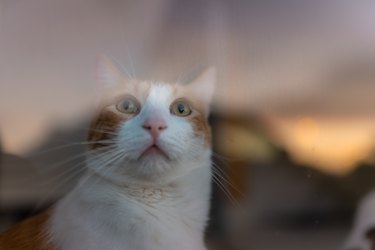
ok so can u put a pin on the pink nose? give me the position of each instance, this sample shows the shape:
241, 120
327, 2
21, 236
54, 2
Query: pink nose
155, 126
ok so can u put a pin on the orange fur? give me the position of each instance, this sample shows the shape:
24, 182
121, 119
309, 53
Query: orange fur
27, 235
103, 128
201, 126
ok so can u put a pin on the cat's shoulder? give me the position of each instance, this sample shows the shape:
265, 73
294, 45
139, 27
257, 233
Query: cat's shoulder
29, 234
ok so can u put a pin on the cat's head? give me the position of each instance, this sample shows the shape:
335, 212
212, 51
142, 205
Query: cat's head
150, 131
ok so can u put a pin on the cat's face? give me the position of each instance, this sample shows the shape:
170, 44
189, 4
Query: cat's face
150, 131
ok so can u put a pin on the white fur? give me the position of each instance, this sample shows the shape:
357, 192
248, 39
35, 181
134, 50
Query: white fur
149, 203
364, 221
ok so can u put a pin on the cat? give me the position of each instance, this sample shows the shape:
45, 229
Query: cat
148, 179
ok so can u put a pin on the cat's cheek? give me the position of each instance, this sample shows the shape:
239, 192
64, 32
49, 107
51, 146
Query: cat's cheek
103, 129
201, 128
178, 139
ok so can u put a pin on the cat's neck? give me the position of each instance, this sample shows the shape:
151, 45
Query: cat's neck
190, 183
138, 190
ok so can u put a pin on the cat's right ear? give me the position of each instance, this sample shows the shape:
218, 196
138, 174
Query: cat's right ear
107, 74
107, 78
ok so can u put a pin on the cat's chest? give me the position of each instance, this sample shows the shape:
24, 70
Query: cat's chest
157, 227
138, 219
143, 231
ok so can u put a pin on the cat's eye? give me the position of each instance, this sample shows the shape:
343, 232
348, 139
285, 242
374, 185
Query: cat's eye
128, 105
180, 108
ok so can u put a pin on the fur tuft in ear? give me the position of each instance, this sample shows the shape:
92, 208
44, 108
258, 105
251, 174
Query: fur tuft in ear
203, 87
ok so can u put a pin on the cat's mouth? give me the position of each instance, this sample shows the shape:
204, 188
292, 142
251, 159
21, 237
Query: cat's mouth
154, 150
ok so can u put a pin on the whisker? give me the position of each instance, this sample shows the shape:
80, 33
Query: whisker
74, 167
54, 167
115, 158
220, 174
50, 192
122, 67
108, 130
225, 162
131, 62
223, 188
226, 192
222, 158
67, 145
68, 176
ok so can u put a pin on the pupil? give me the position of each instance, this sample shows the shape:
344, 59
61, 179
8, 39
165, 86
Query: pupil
127, 105
181, 108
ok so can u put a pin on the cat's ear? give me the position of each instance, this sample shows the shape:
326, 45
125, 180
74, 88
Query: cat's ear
203, 87
107, 75
107, 78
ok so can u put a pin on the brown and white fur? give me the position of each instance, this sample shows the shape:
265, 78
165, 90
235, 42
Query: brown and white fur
148, 181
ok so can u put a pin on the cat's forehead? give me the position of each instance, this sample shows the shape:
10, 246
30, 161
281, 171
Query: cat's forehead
152, 90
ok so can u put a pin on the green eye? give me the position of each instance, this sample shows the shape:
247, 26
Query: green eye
180, 108
128, 105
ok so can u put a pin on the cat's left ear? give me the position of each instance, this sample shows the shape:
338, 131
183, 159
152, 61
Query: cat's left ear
203, 87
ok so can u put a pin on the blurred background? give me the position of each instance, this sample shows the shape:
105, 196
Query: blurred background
293, 115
